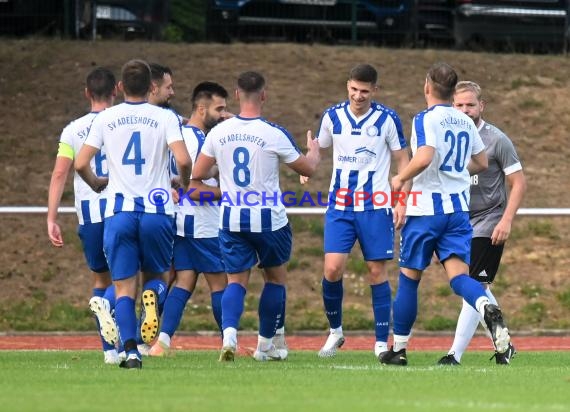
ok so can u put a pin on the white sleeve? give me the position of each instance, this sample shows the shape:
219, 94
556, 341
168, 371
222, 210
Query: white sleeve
392, 136
325, 131
287, 149
208, 146
173, 132
95, 136
478, 145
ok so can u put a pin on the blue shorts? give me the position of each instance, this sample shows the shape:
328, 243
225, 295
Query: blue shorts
446, 235
136, 241
91, 235
374, 230
242, 250
201, 255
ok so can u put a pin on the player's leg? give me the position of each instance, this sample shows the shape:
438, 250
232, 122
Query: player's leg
274, 251
121, 248
279, 338
239, 256
339, 238
208, 257
180, 292
91, 235
454, 251
156, 238
416, 249
375, 229
469, 318
490, 266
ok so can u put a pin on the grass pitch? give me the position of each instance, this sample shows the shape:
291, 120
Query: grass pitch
350, 382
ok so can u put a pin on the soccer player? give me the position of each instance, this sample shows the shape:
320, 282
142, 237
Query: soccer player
196, 246
139, 217
100, 90
253, 222
491, 212
364, 135
446, 149
162, 90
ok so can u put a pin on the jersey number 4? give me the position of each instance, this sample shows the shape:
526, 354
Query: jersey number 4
459, 146
132, 155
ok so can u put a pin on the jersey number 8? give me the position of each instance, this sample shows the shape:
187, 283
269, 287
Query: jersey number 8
242, 176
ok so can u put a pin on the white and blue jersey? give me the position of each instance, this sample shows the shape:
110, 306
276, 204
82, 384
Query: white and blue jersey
89, 205
136, 137
444, 185
362, 149
248, 152
201, 219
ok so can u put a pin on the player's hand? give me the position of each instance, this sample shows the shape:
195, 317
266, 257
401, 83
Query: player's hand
100, 184
399, 216
303, 179
501, 233
54, 233
397, 184
312, 144
175, 195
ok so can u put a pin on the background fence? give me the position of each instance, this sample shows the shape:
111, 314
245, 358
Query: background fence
526, 24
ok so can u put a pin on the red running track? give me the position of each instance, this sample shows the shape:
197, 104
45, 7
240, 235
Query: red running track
295, 342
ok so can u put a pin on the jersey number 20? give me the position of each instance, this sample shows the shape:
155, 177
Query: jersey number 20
132, 155
459, 146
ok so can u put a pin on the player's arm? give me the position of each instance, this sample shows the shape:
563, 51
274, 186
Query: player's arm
478, 163
306, 165
183, 161
83, 168
517, 184
420, 161
63, 164
201, 171
402, 159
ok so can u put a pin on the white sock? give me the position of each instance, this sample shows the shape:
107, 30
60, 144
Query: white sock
230, 337
337, 331
494, 302
491, 296
466, 326
380, 347
401, 342
280, 331
480, 304
164, 338
263, 344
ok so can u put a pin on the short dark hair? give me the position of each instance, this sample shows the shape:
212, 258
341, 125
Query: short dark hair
363, 73
251, 82
443, 79
206, 90
158, 71
100, 83
135, 76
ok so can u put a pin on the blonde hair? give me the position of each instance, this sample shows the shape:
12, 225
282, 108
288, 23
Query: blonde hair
468, 86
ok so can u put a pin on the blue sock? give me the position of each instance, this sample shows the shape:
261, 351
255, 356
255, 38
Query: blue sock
332, 299
270, 309
159, 287
232, 305
100, 292
469, 289
110, 296
381, 305
282, 318
126, 318
173, 309
216, 299
405, 305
